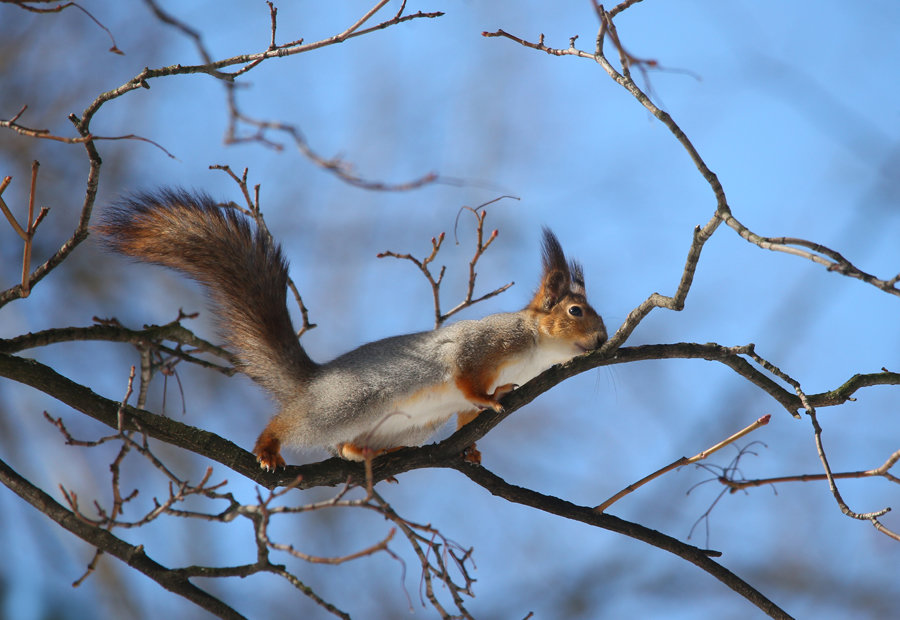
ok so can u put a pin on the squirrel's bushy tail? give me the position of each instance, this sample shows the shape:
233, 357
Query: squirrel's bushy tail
243, 270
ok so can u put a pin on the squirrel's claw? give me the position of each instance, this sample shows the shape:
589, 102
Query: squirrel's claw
499, 392
270, 462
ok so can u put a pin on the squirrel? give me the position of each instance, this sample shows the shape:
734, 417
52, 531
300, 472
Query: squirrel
381, 396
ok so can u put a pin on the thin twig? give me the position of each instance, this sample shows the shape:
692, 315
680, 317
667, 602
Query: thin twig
31, 223
60, 7
682, 462
435, 282
253, 209
881, 471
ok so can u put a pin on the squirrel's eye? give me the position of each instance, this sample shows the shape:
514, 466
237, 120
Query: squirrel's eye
575, 310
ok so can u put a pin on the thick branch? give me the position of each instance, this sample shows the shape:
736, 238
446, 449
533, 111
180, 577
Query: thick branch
105, 410
335, 471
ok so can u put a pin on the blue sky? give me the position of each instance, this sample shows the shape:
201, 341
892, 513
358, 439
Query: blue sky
793, 106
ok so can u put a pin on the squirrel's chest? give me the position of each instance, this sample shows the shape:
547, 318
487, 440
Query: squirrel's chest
433, 405
522, 368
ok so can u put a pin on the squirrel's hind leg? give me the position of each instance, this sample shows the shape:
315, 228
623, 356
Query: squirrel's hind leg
268, 446
470, 454
353, 452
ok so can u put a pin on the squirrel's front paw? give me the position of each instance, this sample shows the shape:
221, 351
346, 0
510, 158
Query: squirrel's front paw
500, 392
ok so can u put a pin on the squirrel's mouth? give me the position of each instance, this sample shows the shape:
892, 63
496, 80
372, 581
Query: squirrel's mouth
593, 346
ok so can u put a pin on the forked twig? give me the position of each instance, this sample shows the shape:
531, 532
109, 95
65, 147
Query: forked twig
481, 245
882, 471
683, 461
253, 210
60, 7
31, 224
439, 557
46, 134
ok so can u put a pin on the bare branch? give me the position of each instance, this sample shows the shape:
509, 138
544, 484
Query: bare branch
336, 471
110, 330
253, 210
31, 224
682, 462
723, 211
24, 4
480, 246
819, 254
882, 471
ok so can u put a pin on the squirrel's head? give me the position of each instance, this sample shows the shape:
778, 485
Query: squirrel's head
560, 303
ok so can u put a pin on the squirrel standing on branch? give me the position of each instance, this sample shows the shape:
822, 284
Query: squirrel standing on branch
386, 394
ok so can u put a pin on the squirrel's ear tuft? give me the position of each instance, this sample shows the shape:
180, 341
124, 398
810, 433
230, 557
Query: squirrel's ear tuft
577, 275
554, 258
556, 280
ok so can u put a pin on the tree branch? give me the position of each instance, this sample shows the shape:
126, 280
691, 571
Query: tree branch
336, 471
